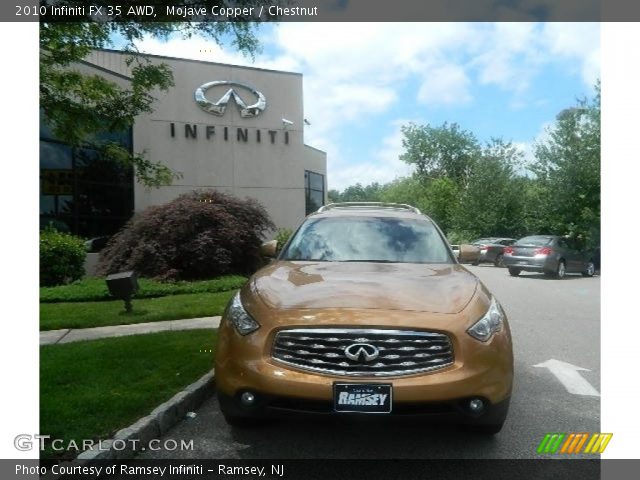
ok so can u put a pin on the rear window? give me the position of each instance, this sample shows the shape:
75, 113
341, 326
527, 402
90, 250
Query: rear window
535, 241
368, 239
483, 241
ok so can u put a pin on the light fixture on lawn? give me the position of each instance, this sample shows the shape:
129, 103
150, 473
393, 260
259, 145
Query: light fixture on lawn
123, 285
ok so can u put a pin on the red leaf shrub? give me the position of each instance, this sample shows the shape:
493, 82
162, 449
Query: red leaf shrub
202, 234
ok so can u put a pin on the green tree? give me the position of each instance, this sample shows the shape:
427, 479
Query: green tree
444, 151
407, 190
359, 193
491, 202
79, 106
466, 187
567, 169
333, 195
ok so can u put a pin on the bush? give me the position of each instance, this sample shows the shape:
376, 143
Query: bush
202, 234
282, 237
61, 257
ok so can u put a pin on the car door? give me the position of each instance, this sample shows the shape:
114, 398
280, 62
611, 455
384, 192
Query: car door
565, 253
582, 256
573, 258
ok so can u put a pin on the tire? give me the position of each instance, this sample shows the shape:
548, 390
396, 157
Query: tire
561, 270
514, 272
499, 261
475, 263
590, 269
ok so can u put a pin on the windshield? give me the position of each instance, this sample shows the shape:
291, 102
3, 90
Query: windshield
368, 239
535, 241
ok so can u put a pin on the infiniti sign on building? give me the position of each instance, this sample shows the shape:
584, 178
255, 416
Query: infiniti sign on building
236, 129
219, 107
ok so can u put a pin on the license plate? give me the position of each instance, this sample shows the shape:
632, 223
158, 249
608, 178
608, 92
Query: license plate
363, 398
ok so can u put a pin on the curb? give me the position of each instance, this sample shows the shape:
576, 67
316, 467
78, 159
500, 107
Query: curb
69, 335
152, 426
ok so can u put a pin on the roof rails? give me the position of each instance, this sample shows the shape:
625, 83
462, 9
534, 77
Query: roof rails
392, 206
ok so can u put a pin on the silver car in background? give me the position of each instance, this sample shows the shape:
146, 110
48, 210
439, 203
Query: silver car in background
552, 255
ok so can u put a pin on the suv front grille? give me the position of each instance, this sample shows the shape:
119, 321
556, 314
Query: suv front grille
363, 352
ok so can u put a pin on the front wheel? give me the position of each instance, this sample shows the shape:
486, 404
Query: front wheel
499, 261
590, 269
514, 272
561, 270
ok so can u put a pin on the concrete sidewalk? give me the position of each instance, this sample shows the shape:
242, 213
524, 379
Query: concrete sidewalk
67, 335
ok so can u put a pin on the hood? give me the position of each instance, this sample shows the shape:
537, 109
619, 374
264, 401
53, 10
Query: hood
437, 288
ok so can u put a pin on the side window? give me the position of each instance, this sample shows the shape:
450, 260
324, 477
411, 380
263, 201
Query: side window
563, 243
314, 191
577, 243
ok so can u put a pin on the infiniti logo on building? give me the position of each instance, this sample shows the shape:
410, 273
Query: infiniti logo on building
218, 107
361, 352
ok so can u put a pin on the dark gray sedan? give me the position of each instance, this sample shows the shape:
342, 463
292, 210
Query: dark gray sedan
492, 249
549, 254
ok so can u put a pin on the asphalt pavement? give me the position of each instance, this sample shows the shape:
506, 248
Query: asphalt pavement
555, 326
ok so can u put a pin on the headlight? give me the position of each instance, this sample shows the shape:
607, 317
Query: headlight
490, 323
240, 318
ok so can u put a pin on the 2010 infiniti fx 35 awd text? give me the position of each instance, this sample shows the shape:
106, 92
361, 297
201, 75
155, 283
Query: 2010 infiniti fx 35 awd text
365, 311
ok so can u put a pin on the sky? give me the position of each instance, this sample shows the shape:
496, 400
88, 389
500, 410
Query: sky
363, 81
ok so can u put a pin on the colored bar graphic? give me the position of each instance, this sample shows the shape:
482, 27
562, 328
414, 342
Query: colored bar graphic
598, 442
573, 442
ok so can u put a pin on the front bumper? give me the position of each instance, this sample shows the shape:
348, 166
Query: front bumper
480, 370
455, 410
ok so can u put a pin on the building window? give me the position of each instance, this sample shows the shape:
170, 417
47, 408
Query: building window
81, 192
314, 191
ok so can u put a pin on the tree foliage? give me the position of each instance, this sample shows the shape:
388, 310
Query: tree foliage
199, 235
568, 171
445, 151
472, 189
357, 193
78, 106
61, 257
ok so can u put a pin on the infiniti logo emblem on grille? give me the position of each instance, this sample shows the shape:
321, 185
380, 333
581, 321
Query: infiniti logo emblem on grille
361, 352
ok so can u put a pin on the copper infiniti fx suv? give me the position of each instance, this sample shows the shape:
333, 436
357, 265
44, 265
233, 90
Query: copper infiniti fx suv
365, 311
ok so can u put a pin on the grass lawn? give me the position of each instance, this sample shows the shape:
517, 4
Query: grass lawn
90, 390
99, 314
95, 289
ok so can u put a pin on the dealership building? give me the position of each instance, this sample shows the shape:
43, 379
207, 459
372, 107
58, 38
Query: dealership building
239, 130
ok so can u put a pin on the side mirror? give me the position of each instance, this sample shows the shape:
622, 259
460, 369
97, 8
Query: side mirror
468, 253
268, 249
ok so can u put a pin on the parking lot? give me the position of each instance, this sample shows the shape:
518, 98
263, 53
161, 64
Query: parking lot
556, 333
